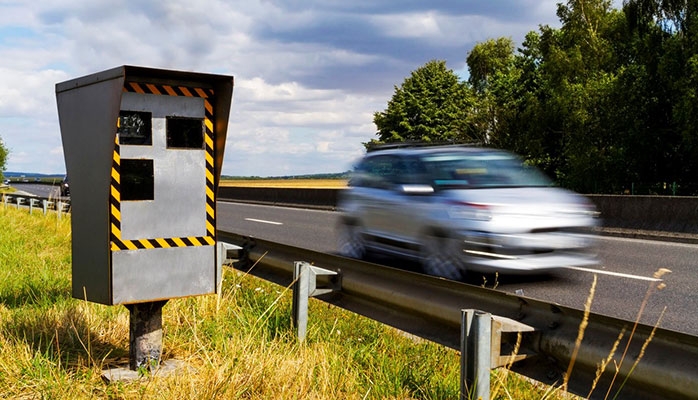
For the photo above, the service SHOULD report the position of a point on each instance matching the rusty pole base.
(145, 345)
(145, 335)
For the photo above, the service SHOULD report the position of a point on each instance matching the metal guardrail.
(44, 204)
(431, 308)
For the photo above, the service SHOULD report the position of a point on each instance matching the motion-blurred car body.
(65, 187)
(459, 208)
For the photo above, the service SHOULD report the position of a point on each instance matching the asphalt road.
(38, 189)
(624, 275)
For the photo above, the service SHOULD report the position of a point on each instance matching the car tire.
(438, 259)
(350, 241)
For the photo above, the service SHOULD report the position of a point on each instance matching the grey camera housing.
(144, 181)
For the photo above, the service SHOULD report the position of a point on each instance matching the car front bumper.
(527, 252)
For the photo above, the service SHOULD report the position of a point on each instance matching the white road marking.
(618, 274)
(647, 241)
(264, 221)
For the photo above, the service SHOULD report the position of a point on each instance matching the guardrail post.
(476, 356)
(226, 251)
(304, 276)
(4, 201)
(44, 205)
(18, 200)
(31, 206)
(59, 208)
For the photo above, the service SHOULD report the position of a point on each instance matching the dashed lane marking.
(264, 221)
(618, 274)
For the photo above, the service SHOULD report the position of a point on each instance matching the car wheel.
(438, 259)
(350, 242)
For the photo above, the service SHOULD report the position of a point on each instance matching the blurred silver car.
(65, 187)
(459, 208)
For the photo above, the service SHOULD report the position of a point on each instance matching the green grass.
(237, 345)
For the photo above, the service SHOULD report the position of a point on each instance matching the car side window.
(379, 172)
(414, 172)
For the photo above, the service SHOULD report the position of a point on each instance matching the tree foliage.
(430, 105)
(607, 103)
(492, 73)
(489, 59)
(4, 152)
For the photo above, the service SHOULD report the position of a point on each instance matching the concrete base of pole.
(123, 374)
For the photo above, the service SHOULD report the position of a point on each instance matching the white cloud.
(414, 25)
(288, 127)
(257, 90)
(449, 30)
(308, 74)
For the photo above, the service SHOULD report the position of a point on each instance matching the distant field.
(287, 183)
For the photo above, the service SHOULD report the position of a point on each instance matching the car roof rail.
(408, 144)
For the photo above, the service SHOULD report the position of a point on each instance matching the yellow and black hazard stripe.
(115, 198)
(161, 243)
(210, 239)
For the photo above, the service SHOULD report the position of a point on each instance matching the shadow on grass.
(34, 293)
(60, 333)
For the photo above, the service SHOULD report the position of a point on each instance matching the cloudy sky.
(309, 74)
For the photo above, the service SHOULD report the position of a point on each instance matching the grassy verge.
(238, 345)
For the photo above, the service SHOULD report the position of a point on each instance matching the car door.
(373, 194)
(398, 204)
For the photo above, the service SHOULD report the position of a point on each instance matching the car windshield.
(481, 170)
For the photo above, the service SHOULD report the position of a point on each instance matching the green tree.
(661, 79)
(4, 152)
(615, 95)
(678, 70)
(579, 73)
(488, 59)
(431, 105)
(552, 101)
(492, 77)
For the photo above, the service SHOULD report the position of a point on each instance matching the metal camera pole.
(145, 335)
